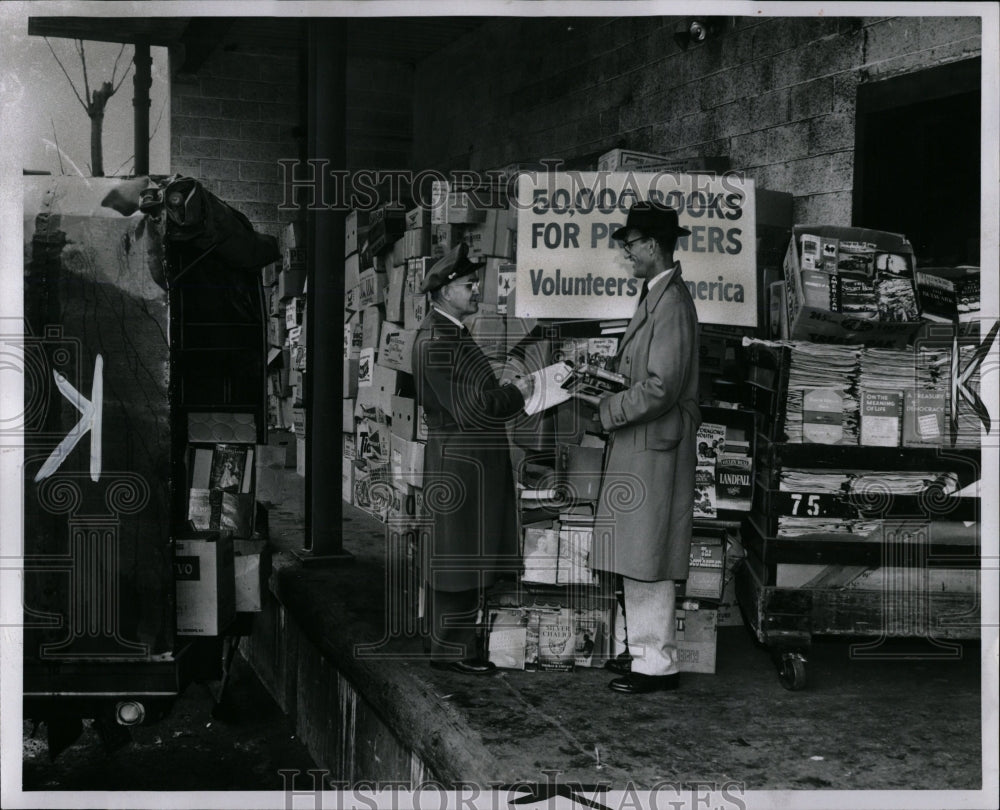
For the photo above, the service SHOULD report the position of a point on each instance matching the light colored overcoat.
(645, 511)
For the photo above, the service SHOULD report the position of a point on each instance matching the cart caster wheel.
(792, 671)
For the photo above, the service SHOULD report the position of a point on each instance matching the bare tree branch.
(83, 61)
(114, 71)
(59, 62)
(55, 139)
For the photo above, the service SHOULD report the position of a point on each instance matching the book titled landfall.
(880, 418)
(733, 481)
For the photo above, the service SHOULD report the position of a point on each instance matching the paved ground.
(188, 750)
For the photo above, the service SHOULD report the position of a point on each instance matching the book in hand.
(549, 388)
(591, 380)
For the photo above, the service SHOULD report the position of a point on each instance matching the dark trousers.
(451, 620)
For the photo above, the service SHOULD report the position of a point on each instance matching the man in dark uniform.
(468, 479)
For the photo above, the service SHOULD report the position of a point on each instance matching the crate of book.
(850, 286)
(547, 628)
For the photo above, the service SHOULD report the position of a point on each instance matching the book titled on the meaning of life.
(880, 418)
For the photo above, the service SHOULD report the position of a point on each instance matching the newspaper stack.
(816, 366)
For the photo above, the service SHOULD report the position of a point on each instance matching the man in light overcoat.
(645, 510)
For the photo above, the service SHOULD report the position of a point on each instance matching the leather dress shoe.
(635, 683)
(622, 665)
(470, 666)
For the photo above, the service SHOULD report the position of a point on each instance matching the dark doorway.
(917, 168)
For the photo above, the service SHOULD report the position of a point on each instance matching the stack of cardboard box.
(285, 290)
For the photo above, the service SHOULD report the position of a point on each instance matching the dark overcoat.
(468, 479)
(645, 508)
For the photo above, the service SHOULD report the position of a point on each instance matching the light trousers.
(651, 625)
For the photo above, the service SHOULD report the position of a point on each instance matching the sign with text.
(568, 266)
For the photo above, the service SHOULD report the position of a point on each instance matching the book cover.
(601, 351)
(880, 418)
(822, 416)
(507, 639)
(556, 642)
(199, 509)
(924, 418)
(711, 440)
(937, 298)
(704, 491)
(506, 278)
(819, 289)
(229, 463)
(236, 514)
(856, 296)
(810, 257)
(856, 257)
(895, 298)
(587, 630)
(733, 481)
(967, 293)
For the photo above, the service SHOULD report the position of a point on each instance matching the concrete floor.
(900, 721)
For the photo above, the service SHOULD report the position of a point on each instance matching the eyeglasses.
(469, 284)
(628, 244)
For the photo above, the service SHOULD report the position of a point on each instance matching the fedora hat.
(652, 218)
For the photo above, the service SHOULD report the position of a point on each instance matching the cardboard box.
(494, 237)
(300, 456)
(294, 307)
(443, 238)
(366, 368)
(293, 259)
(396, 347)
(353, 337)
(351, 377)
(350, 443)
(275, 306)
(371, 288)
(416, 242)
(372, 486)
(415, 309)
(418, 217)
(348, 417)
(374, 399)
(205, 584)
(291, 282)
(406, 461)
(277, 331)
(352, 297)
(355, 230)
(352, 271)
(696, 639)
(299, 421)
(823, 326)
(395, 290)
(250, 566)
(293, 235)
(371, 327)
(347, 480)
(385, 226)
(269, 274)
(404, 417)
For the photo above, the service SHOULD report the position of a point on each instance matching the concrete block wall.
(233, 121)
(776, 95)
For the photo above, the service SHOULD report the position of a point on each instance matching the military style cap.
(652, 218)
(454, 264)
